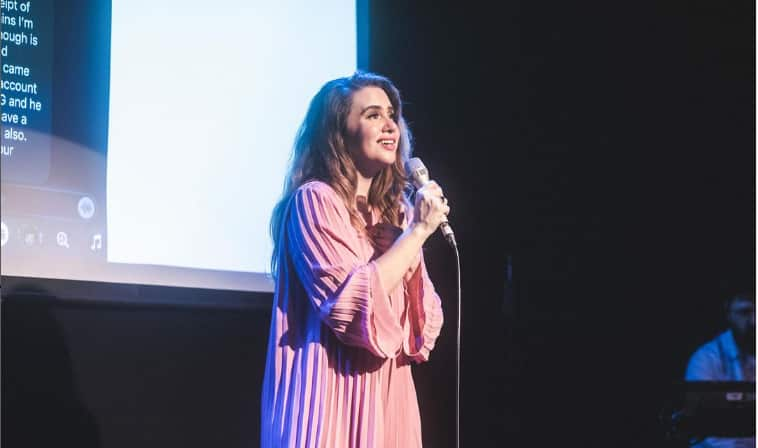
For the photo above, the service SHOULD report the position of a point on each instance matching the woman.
(353, 304)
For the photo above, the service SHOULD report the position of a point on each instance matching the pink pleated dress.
(338, 370)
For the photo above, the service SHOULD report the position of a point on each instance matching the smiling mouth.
(387, 143)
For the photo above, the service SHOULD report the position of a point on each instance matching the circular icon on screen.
(86, 207)
(3, 233)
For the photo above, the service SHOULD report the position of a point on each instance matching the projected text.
(25, 89)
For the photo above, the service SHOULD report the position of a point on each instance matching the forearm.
(395, 262)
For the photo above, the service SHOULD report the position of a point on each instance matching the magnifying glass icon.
(62, 239)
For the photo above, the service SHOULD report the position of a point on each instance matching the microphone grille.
(417, 172)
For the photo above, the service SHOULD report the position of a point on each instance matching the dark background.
(604, 151)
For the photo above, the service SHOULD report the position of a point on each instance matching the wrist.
(420, 230)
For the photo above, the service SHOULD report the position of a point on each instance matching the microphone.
(420, 177)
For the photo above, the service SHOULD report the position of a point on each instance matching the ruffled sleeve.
(424, 316)
(346, 291)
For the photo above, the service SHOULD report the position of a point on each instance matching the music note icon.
(97, 242)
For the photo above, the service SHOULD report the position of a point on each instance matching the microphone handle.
(447, 232)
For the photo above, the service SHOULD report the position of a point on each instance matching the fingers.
(433, 193)
(440, 203)
(431, 206)
(433, 190)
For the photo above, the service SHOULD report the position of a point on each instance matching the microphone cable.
(458, 354)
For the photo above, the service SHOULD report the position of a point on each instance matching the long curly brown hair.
(320, 153)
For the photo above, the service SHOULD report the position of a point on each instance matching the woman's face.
(372, 133)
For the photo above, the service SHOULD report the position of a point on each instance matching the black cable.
(458, 356)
